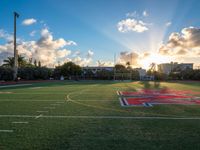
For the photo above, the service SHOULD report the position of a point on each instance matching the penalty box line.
(100, 117)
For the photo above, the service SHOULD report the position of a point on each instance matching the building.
(95, 69)
(167, 68)
(143, 74)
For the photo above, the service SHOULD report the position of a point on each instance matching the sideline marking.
(28, 100)
(20, 122)
(102, 117)
(95, 100)
(35, 88)
(41, 111)
(49, 107)
(55, 104)
(39, 116)
(3, 86)
(60, 102)
(10, 131)
(6, 92)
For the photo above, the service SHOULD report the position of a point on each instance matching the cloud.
(28, 22)
(63, 53)
(145, 14)
(131, 57)
(132, 14)
(146, 54)
(135, 14)
(32, 33)
(82, 61)
(168, 24)
(133, 25)
(46, 49)
(102, 63)
(90, 53)
(4, 35)
(77, 53)
(76, 58)
(186, 43)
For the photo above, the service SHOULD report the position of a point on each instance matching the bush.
(6, 73)
(67, 70)
(34, 73)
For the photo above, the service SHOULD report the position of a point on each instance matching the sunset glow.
(153, 58)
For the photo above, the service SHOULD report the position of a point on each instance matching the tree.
(35, 63)
(9, 62)
(39, 64)
(67, 70)
(128, 65)
(120, 68)
(6, 73)
(104, 74)
(34, 73)
(153, 67)
(135, 75)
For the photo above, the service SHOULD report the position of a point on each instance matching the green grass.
(94, 99)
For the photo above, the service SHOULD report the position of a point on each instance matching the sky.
(102, 32)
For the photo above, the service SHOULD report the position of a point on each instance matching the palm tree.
(128, 65)
(153, 67)
(9, 62)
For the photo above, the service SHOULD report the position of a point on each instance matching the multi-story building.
(167, 68)
(143, 74)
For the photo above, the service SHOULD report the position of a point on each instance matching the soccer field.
(88, 115)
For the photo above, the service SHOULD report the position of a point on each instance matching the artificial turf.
(54, 130)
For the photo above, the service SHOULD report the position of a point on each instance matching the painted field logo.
(148, 98)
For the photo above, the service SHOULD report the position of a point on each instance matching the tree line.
(34, 70)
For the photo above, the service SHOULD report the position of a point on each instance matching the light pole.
(15, 68)
(114, 77)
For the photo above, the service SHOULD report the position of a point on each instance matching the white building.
(143, 74)
(167, 68)
(95, 69)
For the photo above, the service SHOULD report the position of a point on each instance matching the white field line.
(41, 111)
(30, 100)
(49, 107)
(39, 116)
(55, 104)
(3, 86)
(102, 117)
(20, 122)
(6, 92)
(61, 102)
(35, 88)
(94, 100)
(37, 93)
(120, 100)
(10, 131)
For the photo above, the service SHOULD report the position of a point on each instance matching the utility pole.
(114, 77)
(15, 68)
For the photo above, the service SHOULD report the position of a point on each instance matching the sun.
(153, 58)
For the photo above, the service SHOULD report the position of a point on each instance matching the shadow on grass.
(150, 84)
